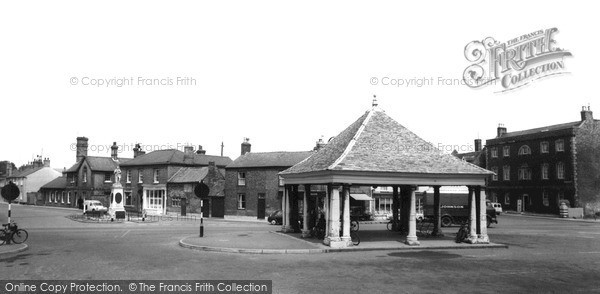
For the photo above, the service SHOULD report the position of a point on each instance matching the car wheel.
(446, 221)
(273, 222)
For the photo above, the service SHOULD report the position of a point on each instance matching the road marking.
(591, 252)
(124, 234)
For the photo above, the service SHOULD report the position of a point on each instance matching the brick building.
(31, 177)
(90, 178)
(181, 188)
(253, 187)
(536, 169)
(146, 178)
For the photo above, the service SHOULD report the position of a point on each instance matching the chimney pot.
(586, 114)
(246, 146)
(477, 144)
(114, 151)
(501, 130)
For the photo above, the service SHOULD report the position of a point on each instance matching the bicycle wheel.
(2, 237)
(390, 226)
(20, 236)
(461, 235)
(355, 238)
(354, 226)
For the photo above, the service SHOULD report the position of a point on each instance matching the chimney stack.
(586, 113)
(46, 162)
(246, 146)
(82, 148)
(137, 150)
(477, 144)
(114, 151)
(320, 144)
(188, 149)
(501, 130)
(200, 150)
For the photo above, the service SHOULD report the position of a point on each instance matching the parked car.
(276, 217)
(93, 206)
(497, 207)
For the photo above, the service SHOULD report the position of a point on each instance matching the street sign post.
(201, 191)
(10, 192)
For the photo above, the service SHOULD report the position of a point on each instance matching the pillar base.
(483, 240)
(328, 240)
(339, 244)
(305, 233)
(472, 239)
(287, 229)
(412, 241)
(348, 241)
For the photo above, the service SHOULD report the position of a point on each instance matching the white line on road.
(124, 234)
(591, 252)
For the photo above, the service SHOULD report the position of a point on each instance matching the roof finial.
(375, 104)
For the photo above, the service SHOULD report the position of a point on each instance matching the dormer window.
(524, 150)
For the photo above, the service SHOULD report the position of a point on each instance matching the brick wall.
(588, 166)
(263, 180)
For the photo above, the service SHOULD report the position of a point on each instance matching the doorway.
(261, 206)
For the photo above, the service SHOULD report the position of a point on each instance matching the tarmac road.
(544, 256)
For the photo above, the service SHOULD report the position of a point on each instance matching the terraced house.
(253, 187)
(537, 169)
(90, 178)
(157, 182)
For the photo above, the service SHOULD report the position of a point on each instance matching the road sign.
(201, 190)
(10, 192)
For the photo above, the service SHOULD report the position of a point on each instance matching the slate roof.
(24, 173)
(189, 175)
(97, 163)
(270, 159)
(173, 156)
(58, 183)
(552, 128)
(377, 143)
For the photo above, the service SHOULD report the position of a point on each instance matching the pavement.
(12, 248)
(276, 242)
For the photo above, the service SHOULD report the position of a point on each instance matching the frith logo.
(514, 63)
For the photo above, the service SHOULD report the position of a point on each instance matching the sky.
(283, 74)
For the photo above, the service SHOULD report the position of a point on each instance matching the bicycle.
(425, 227)
(390, 226)
(12, 233)
(462, 233)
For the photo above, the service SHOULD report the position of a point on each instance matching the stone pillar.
(346, 226)
(472, 238)
(395, 206)
(411, 238)
(294, 214)
(437, 215)
(286, 213)
(305, 230)
(483, 236)
(334, 224)
(327, 212)
(477, 209)
(404, 208)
